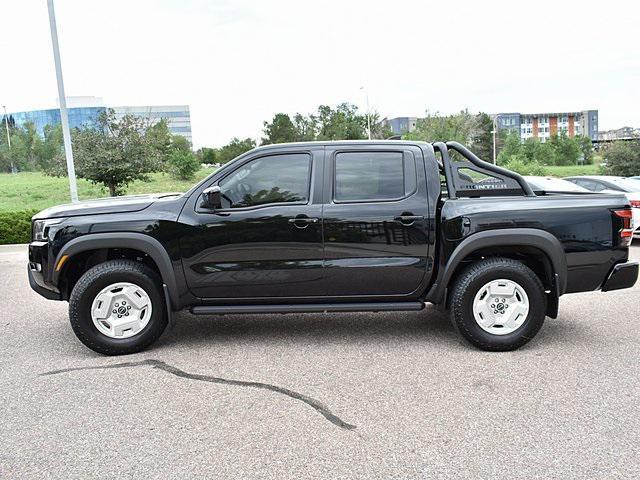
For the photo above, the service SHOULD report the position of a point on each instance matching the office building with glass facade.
(178, 117)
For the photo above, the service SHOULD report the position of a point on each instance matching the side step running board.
(309, 308)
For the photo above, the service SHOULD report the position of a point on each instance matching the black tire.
(472, 279)
(100, 277)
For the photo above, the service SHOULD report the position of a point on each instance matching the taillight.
(635, 203)
(626, 232)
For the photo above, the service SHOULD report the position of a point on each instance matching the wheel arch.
(127, 240)
(506, 242)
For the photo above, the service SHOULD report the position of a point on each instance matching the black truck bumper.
(37, 271)
(37, 284)
(622, 275)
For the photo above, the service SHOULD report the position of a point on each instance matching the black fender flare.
(135, 241)
(529, 237)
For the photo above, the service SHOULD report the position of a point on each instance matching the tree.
(343, 123)
(207, 155)
(512, 146)
(178, 142)
(519, 164)
(280, 130)
(622, 158)
(544, 154)
(306, 127)
(235, 148)
(114, 154)
(25, 142)
(481, 140)
(183, 164)
(567, 150)
(49, 147)
(586, 147)
(443, 128)
(160, 137)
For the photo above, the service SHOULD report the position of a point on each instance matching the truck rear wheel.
(117, 307)
(498, 304)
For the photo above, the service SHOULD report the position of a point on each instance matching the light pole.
(494, 131)
(6, 124)
(64, 117)
(366, 92)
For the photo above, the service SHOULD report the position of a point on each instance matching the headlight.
(41, 228)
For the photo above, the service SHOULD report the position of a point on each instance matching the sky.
(237, 63)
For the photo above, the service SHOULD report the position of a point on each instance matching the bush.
(518, 165)
(622, 158)
(15, 227)
(183, 164)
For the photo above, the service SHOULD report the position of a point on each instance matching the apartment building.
(544, 125)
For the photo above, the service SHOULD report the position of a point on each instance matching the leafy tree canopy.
(281, 129)
(622, 158)
(114, 154)
(464, 127)
(235, 148)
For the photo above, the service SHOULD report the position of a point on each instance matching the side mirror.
(212, 198)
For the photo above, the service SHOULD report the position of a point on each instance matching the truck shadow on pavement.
(159, 364)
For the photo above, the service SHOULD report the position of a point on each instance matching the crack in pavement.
(159, 364)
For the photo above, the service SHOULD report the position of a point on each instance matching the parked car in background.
(553, 184)
(611, 184)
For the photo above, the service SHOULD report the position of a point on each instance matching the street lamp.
(64, 117)
(366, 92)
(494, 131)
(6, 124)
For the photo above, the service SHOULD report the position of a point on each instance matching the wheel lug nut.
(115, 311)
(119, 316)
(117, 305)
(124, 303)
(128, 307)
(126, 314)
(492, 306)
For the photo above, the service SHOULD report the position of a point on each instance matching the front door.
(266, 241)
(376, 220)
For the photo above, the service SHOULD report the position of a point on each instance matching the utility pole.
(494, 131)
(368, 112)
(64, 117)
(6, 124)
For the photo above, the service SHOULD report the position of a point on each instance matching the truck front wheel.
(498, 304)
(117, 307)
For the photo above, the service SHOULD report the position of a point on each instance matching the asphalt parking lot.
(393, 395)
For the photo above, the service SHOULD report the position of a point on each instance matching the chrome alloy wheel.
(500, 307)
(121, 310)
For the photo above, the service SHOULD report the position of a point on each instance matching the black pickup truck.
(333, 227)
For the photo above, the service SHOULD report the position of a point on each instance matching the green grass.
(34, 190)
(572, 170)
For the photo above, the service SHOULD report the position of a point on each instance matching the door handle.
(408, 219)
(302, 221)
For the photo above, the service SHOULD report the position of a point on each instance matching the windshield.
(553, 184)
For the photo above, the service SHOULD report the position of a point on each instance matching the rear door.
(376, 220)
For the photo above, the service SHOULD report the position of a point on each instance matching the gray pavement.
(393, 395)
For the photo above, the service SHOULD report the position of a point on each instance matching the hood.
(131, 203)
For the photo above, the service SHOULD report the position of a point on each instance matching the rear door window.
(373, 176)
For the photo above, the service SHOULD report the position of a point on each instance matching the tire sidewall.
(81, 320)
(466, 321)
